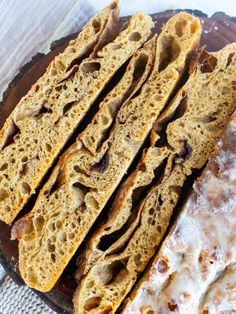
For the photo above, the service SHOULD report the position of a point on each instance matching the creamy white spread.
(221, 298)
(195, 270)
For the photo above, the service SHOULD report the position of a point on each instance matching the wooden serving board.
(218, 31)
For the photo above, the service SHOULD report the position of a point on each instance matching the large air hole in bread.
(208, 63)
(43, 110)
(111, 242)
(136, 36)
(110, 272)
(92, 303)
(170, 52)
(91, 67)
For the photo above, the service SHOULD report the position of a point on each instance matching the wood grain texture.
(218, 31)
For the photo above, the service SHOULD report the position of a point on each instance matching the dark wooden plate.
(218, 31)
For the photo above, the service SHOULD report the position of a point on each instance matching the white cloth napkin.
(20, 300)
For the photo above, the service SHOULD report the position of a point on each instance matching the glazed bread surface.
(46, 117)
(220, 297)
(91, 169)
(195, 269)
(121, 249)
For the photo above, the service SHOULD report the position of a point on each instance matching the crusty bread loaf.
(194, 271)
(45, 118)
(121, 249)
(87, 174)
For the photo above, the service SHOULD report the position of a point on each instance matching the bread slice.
(45, 118)
(20, 153)
(52, 231)
(194, 271)
(124, 215)
(87, 174)
(121, 249)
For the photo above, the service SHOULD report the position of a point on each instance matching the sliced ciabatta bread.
(46, 117)
(121, 249)
(52, 231)
(194, 271)
(87, 175)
